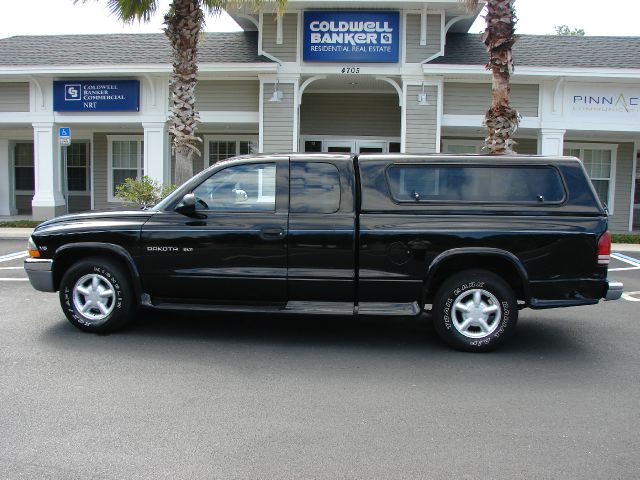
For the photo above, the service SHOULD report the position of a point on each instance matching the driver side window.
(239, 188)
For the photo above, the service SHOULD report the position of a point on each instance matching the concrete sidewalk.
(17, 233)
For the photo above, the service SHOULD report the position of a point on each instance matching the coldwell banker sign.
(96, 96)
(352, 37)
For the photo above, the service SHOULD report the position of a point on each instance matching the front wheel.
(475, 311)
(96, 295)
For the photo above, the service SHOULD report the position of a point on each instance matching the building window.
(462, 146)
(222, 148)
(78, 167)
(126, 155)
(23, 167)
(599, 162)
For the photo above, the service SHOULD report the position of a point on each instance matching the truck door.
(235, 250)
(321, 233)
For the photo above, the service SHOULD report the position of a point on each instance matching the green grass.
(625, 238)
(20, 224)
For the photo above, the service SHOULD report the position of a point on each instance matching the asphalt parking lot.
(238, 396)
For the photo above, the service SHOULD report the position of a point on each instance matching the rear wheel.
(96, 295)
(475, 311)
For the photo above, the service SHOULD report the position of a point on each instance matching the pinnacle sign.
(353, 37)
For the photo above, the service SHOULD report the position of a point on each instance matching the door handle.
(271, 233)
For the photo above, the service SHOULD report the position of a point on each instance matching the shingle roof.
(549, 51)
(152, 48)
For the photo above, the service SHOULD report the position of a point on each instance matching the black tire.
(105, 312)
(484, 328)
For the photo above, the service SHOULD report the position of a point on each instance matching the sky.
(47, 17)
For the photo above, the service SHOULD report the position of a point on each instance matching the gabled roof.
(548, 51)
(119, 49)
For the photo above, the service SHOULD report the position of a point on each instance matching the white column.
(157, 161)
(551, 141)
(48, 201)
(7, 199)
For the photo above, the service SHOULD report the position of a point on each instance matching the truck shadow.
(537, 337)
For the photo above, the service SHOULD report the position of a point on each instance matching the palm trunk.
(183, 25)
(501, 119)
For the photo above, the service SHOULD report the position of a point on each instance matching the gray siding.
(417, 53)
(14, 97)
(228, 95)
(421, 121)
(366, 114)
(475, 98)
(287, 51)
(277, 125)
(619, 221)
(100, 166)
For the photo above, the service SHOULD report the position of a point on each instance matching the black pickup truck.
(470, 239)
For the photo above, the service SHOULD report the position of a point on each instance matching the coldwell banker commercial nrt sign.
(352, 37)
(96, 96)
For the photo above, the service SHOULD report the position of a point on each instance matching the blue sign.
(352, 37)
(64, 132)
(96, 96)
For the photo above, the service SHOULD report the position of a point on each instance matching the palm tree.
(501, 119)
(184, 22)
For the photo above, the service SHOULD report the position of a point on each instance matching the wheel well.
(496, 264)
(65, 259)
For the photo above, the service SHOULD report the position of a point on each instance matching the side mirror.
(187, 205)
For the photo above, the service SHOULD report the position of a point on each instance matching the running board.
(296, 307)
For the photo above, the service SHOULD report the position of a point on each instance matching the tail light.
(604, 249)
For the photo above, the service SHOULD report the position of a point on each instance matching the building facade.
(354, 76)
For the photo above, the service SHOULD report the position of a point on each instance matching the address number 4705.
(350, 70)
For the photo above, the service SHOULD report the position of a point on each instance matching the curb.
(625, 247)
(15, 233)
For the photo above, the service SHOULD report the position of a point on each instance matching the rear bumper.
(40, 273)
(614, 290)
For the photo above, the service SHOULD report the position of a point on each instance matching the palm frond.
(130, 10)
(215, 6)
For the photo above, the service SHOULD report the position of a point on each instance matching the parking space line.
(626, 259)
(13, 256)
(629, 296)
(623, 268)
(26, 280)
(11, 268)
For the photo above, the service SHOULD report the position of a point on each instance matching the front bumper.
(40, 273)
(614, 290)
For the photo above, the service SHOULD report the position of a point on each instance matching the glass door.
(339, 146)
(365, 146)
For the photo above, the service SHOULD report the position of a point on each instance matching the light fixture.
(422, 97)
(277, 93)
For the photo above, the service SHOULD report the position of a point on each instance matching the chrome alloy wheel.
(476, 313)
(94, 297)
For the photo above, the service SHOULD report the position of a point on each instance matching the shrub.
(144, 191)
